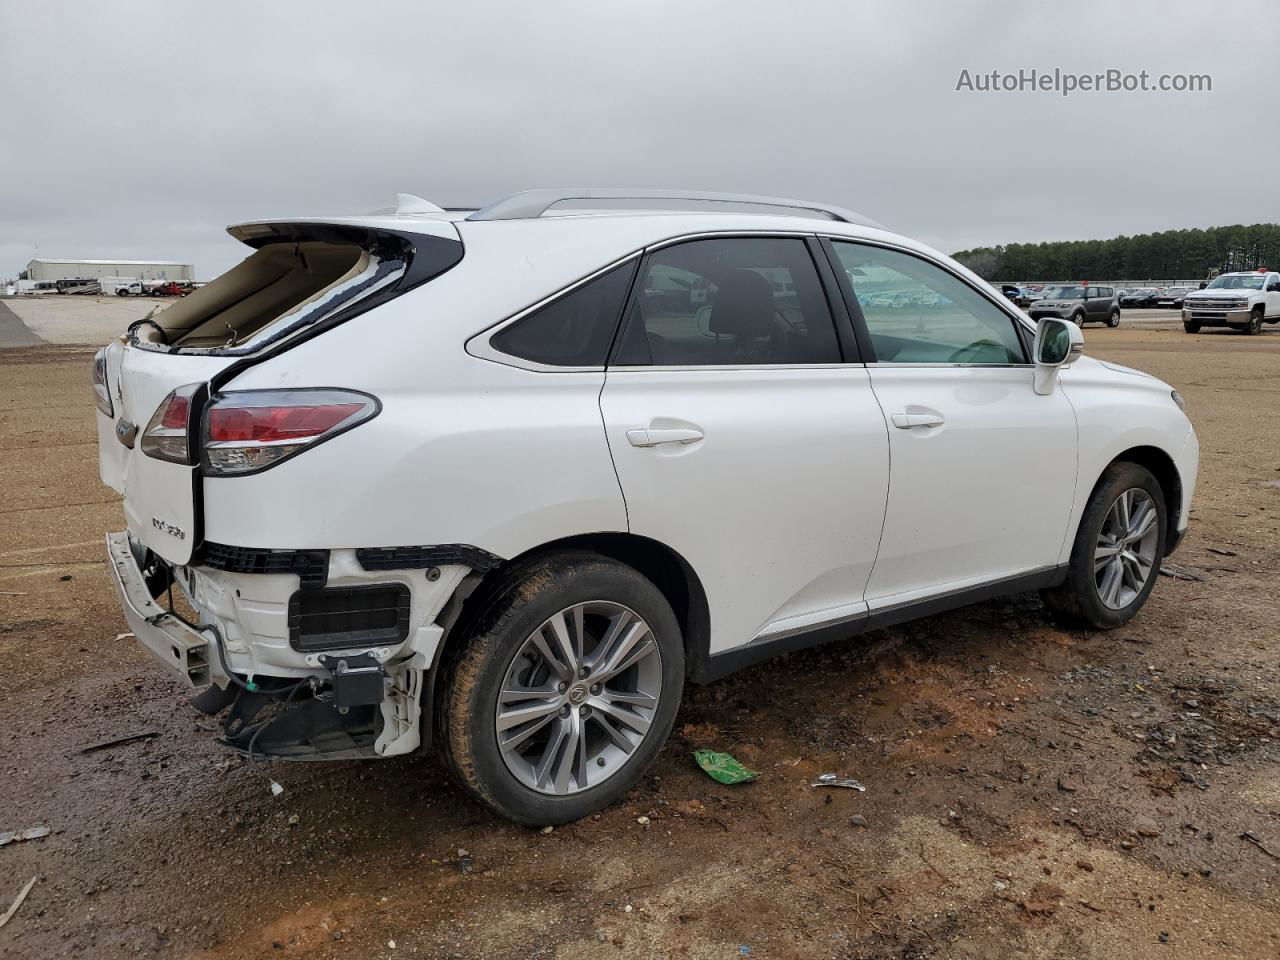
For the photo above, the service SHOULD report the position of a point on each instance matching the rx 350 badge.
(165, 527)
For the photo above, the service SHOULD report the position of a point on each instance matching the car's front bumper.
(182, 649)
(1216, 317)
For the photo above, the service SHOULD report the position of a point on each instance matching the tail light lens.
(249, 430)
(101, 392)
(166, 436)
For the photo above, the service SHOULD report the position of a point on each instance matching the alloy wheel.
(579, 697)
(1124, 557)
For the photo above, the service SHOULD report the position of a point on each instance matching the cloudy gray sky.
(140, 129)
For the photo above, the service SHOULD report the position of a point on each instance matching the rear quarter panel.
(465, 450)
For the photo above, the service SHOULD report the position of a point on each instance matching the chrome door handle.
(651, 438)
(905, 421)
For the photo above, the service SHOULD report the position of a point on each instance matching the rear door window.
(574, 330)
(729, 301)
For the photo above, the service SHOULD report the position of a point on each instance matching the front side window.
(574, 330)
(729, 301)
(916, 312)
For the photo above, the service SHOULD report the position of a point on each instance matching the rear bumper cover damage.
(244, 638)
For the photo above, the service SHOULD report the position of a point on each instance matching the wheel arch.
(670, 572)
(1163, 468)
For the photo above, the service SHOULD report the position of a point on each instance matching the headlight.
(1177, 398)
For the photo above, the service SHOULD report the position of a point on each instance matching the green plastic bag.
(723, 768)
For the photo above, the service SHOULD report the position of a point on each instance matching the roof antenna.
(408, 203)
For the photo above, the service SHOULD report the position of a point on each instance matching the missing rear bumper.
(182, 649)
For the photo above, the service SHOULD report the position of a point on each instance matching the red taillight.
(175, 412)
(270, 424)
(101, 391)
(250, 430)
(166, 436)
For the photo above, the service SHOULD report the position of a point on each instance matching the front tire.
(562, 689)
(1190, 326)
(1255, 322)
(1078, 318)
(1119, 546)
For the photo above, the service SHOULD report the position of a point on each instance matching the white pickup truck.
(1242, 301)
(121, 286)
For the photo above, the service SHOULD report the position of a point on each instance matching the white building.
(42, 269)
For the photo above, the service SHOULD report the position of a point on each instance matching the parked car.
(1243, 300)
(458, 533)
(1078, 302)
(1140, 297)
(167, 288)
(1173, 296)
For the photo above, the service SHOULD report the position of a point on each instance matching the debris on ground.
(723, 768)
(831, 780)
(1168, 569)
(31, 833)
(119, 741)
(1252, 838)
(13, 907)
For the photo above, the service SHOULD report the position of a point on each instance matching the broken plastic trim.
(416, 558)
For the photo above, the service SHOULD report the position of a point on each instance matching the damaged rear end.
(313, 650)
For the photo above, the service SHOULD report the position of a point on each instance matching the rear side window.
(729, 301)
(574, 330)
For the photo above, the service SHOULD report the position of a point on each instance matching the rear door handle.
(653, 437)
(905, 421)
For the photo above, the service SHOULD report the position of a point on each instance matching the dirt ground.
(1033, 790)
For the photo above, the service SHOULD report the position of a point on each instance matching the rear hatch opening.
(274, 291)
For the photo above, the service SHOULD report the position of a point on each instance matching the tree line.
(1171, 255)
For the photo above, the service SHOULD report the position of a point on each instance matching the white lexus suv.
(499, 482)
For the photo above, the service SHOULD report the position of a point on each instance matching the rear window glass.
(576, 329)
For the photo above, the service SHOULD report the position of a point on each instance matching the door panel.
(770, 482)
(985, 493)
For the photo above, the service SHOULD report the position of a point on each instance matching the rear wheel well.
(668, 571)
(1163, 469)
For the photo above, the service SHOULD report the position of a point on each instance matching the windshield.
(1069, 292)
(1237, 281)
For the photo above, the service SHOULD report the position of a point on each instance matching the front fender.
(1118, 411)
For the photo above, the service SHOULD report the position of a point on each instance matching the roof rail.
(530, 204)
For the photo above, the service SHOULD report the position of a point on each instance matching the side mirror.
(1273, 287)
(1057, 344)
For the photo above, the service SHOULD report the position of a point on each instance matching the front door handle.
(905, 421)
(654, 436)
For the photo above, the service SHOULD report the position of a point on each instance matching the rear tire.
(589, 734)
(1110, 577)
(1114, 319)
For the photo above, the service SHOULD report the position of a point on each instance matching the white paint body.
(800, 505)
